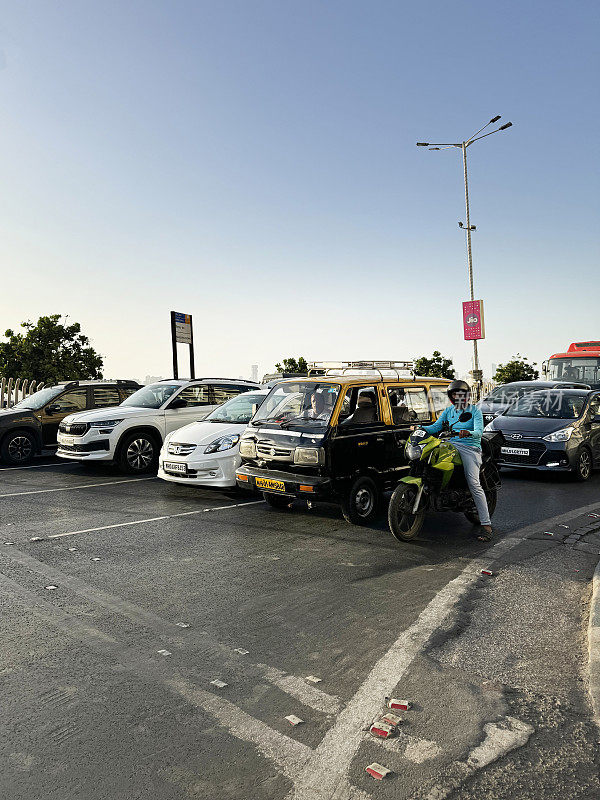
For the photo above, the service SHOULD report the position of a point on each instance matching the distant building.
(254, 373)
(153, 378)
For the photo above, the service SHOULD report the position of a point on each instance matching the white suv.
(132, 433)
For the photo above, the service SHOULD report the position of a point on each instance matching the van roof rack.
(385, 369)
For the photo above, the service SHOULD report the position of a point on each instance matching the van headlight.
(414, 451)
(309, 455)
(563, 435)
(248, 448)
(222, 443)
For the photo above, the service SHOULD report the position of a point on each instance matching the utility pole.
(477, 375)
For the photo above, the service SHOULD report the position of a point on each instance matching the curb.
(594, 645)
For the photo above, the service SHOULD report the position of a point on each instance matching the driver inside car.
(469, 446)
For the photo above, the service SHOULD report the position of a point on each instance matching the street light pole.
(463, 146)
(469, 252)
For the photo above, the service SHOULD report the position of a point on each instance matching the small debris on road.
(548, 533)
(51, 587)
(313, 679)
(8, 543)
(293, 720)
(218, 683)
(37, 539)
(563, 526)
(377, 771)
(95, 559)
(164, 652)
(241, 651)
(401, 705)
(72, 549)
(182, 624)
(486, 572)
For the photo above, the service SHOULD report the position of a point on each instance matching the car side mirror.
(53, 409)
(178, 402)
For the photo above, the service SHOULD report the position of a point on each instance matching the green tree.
(518, 369)
(291, 365)
(435, 367)
(49, 351)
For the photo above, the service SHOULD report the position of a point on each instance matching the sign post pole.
(192, 365)
(174, 345)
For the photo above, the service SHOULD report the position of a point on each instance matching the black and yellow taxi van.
(339, 436)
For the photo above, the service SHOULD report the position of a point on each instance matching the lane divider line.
(85, 486)
(40, 466)
(151, 519)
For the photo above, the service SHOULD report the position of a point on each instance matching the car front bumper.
(214, 470)
(544, 456)
(294, 485)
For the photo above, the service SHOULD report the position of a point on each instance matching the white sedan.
(206, 453)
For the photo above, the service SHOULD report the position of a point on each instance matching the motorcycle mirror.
(465, 416)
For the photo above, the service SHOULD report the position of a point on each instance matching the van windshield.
(298, 404)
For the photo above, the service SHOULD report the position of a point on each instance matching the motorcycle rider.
(469, 446)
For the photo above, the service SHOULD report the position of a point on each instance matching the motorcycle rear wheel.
(404, 525)
(492, 498)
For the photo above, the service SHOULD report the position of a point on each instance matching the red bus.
(580, 363)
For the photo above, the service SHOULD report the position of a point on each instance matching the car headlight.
(107, 423)
(309, 455)
(563, 435)
(222, 443)
(248, 448)
(414, 451)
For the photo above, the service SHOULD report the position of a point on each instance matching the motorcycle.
(436, 481)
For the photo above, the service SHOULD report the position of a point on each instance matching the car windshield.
(298, 404)
(508, 394)
(237, 410)
(582, 370)
(39, 399)
(549, 404)
(152, 396)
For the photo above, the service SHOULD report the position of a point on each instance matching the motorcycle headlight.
(107, 423)
(563, 435)
(308, 455)
(414, 451)
(222, 443)
(248, 448)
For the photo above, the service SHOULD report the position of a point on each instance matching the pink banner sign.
(473, 320)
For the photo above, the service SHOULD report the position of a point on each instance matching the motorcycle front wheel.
(492, 498)
(404, 524)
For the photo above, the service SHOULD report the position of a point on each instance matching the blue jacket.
(451, 415)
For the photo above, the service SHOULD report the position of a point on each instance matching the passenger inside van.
(400, 411)
(366, 409)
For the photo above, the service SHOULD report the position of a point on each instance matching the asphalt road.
(161, 589)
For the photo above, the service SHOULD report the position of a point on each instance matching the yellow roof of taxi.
(370, 379)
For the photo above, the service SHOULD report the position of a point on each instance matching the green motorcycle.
(436, 481)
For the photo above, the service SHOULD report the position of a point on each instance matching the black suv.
(32, 424)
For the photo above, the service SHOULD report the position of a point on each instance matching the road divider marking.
(300, 690)
(39, 466)
(73, 488)
(149, 519)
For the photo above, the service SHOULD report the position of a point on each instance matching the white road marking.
(38, 466)
(151, 519)
(289, 755)
(325, 776)
(72, 488)
(298, 688)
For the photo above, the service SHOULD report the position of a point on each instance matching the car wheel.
(138, 454)
(583, 467)
(361, 505)
(18, 448)
(278, 501)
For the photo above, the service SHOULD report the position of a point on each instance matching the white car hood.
(113, 412)
(203, 433)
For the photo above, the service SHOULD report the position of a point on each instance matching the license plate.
(67, 439)
(174, 466)
(514, 451)
(272, 486)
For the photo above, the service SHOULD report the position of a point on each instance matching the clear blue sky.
(254, 163)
